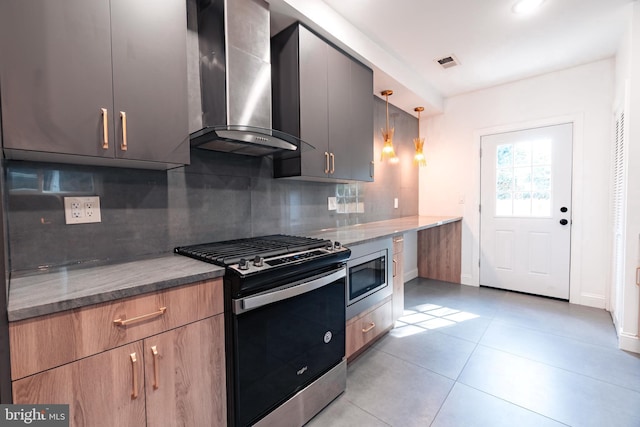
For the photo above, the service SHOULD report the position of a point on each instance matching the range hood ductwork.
(235, 80)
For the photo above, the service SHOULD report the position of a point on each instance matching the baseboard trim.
(629, 342)
(467, 279)
(410, 275)
(591, 300)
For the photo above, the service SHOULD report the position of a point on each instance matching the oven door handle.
(259, 300)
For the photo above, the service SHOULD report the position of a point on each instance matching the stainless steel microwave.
(369, 275)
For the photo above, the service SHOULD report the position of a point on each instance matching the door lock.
(564, 221)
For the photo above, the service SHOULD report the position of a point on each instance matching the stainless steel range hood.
(235, 80)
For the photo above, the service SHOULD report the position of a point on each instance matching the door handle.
(326, 162)
(134, 371)
(123, 117)
(156, 379)
(333, 163)
(105, 129)
(564, 222)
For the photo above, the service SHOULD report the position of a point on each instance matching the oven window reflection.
(366, 277)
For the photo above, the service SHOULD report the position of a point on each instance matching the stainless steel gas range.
(284, 324)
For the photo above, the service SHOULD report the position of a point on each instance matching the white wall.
(410, 251)
(449, 185)
(628, 73)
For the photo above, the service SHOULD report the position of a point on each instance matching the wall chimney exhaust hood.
(235, 80)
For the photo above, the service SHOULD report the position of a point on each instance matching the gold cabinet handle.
(326, 162)
(134, 360)
(156, 379)
(105, 129)
(333, 163)
(125, 322)
(123, 117)
(368, 328)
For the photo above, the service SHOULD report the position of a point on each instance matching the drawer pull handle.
(105, 129)
(134, 360)
(156, 379)
(125, 322)
(123, 145)
(368, 328)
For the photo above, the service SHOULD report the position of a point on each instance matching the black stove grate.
(231, 251)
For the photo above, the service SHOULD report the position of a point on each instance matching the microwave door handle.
(255, 301)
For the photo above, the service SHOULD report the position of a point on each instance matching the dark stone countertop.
(40, 293)
(44, 292)
(363, 233)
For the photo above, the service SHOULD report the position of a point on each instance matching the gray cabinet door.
(313, 102)
(64, 62)
(361, 116)
(150, 79)
(55, 75)
(332, 95)
(340, 114)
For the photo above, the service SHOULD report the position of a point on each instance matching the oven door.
(284, 340)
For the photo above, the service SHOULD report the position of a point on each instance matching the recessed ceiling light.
(523, 7)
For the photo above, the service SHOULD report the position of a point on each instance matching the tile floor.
(465, 356)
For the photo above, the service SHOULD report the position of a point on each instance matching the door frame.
(577, 190)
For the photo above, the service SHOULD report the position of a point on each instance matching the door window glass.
(523, 179)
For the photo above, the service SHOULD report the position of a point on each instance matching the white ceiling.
(401, 39)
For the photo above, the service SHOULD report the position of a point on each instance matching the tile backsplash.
(218, 196)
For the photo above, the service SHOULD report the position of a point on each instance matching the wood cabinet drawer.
(398, 244)
(367, 326)
(52, 340)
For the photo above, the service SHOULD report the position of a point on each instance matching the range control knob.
(329, 245)
(337, 245)
(243, 264)
(258, 261)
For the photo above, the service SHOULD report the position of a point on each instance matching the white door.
(525, 210)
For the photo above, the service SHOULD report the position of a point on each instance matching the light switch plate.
(82, 210)
(395, 203)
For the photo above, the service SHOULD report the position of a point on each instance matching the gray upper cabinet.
(324, 97)
(95, 82)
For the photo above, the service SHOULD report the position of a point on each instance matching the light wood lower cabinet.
(398, 277)
(185, 380)
(439, 252)
(97, 389)
(363, 329)
(172, 378)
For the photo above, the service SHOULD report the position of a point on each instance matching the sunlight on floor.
(426, 317)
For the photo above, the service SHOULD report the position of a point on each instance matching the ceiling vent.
(448, 61)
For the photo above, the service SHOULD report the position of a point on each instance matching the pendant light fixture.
(388, 153)
(418, 158)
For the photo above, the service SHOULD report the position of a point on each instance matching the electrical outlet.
(332, 203)
(82, 210)
(395, 203)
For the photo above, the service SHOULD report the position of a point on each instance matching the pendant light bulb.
(418, 142)
(388, 152)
